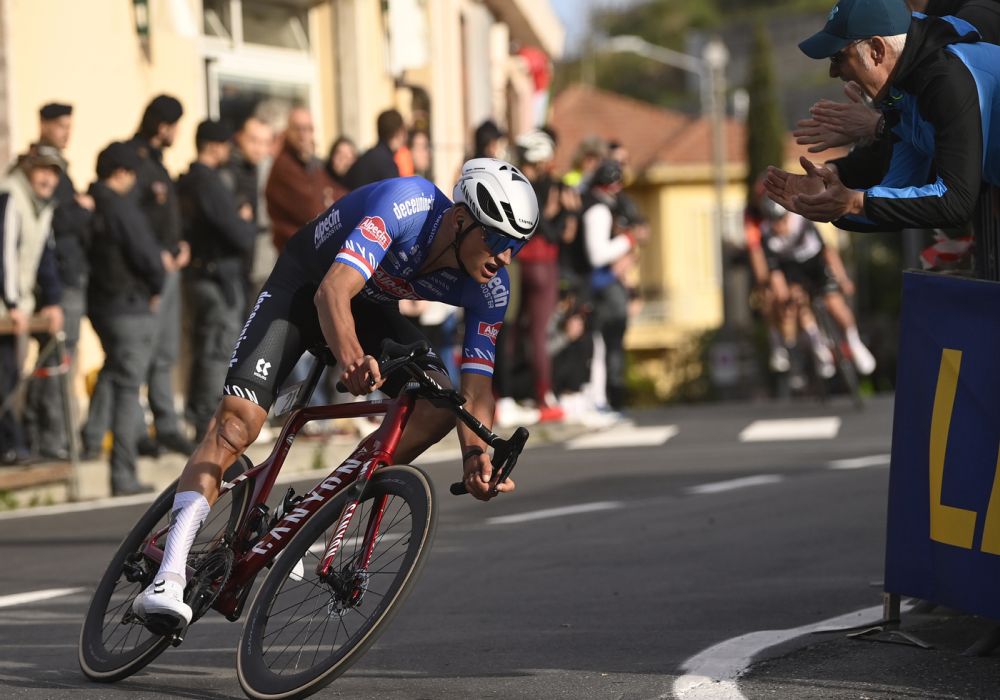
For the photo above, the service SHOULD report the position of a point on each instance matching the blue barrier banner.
(943, 532)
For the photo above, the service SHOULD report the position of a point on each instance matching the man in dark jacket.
(127, 277)
(377, 162)
(157, 196)
(220, 233)
(937, 86)
(44, 414)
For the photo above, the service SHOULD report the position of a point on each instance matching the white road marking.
(554, 512)
(7, 601)
(625, 437)
(791, 429)
(860, 462)
(712, 673)
(733, 484)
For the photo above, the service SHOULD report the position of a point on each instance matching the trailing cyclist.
(794, 265)
(338, 282)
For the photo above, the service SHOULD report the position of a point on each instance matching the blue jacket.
(945, 139)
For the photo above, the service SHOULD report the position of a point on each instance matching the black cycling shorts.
(813, 275)
(283, 324)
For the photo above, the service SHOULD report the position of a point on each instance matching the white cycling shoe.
(161, 607)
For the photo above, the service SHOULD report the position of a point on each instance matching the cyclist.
(339, 280)
(800, 266)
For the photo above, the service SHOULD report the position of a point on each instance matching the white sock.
(814, 337)
(777, 341)
(853, 339)
(189, 512)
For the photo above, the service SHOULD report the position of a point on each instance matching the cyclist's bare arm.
(340, 284)
(477, 468)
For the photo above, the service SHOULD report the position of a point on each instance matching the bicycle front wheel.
(303, 632)
(113, 644)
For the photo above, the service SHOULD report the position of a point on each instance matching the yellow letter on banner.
(949, 525)
(991, 527)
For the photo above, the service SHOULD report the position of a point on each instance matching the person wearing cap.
(27, 262)
(938, 87)
(221, 233)
(127, 277)
(378, 162)
(157, 196)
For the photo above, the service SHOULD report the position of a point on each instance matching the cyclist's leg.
(428, 425)
(837, 305)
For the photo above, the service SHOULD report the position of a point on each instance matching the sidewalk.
(832, 665)
(50, 483)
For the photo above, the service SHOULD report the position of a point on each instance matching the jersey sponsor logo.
(242, 392)
(373, 228)
(476, 360)
(260, 371)
(359, 255)
(496, 293)
(411, 206)
(243, 333)
(394, 286)
(326, 227)
(490, 330)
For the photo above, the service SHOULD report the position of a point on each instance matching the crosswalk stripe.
(625, 437)
(791, 429)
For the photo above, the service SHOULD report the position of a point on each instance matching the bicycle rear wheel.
(301, 632)
(113, 644)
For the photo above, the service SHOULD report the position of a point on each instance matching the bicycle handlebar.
(396, 357)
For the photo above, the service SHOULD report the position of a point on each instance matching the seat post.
(310, 383)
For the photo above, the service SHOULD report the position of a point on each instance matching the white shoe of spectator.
(779, 359)
(824, 360)
(863, 359)
(511, 414)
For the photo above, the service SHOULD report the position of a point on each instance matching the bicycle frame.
(375, 451)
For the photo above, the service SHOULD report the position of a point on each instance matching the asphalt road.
(660, 551)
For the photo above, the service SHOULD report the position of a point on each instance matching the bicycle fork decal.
(950, 524)
(338, 538)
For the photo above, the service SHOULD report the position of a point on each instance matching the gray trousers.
(160, 383)
(215, 324)
(128, 343)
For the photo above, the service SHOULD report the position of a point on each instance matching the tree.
(765, 130)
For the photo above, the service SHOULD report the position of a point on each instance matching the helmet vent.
(486, 203)
(517, 177)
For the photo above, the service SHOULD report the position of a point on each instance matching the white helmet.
(499, 197)
(536, 146)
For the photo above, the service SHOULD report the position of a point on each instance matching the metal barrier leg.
(887, 630)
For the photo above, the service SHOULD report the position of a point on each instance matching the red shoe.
(551, 414)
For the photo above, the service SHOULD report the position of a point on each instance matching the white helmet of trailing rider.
(536, 146)
(499, 197)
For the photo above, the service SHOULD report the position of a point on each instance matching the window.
(283, 25)
(218, 20)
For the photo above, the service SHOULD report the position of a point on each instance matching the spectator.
(420, 150)
(950, 102)
(220, 233)
(539, 263)
(589, 154)
(595, 253)
(489, 141)
(342, 155)
(241, 175)
(297, 186)
(157, 197)
(27, 260)
(127, 262)
(377, 162)
(44, 417)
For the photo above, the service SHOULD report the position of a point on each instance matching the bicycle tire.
(107, 662)
(844, 363)
(260, 655)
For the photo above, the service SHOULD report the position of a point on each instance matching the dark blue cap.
(851, 20)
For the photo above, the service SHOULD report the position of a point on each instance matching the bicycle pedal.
(165, 626)
(177, 638)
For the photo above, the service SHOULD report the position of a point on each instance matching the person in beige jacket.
(27, 261)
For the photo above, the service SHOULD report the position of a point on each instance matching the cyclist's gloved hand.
(362, 376)
(478, 477)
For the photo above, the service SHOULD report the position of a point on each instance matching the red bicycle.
(341, 557)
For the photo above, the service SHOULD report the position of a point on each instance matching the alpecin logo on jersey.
(413, 205)
(326, 227)
(394, 286)
(496, 293)
(373, 228)
(490, 330)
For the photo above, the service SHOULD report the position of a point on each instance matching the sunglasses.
(498, 242)
(839, 57)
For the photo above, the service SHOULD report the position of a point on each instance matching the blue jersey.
(384, 231)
